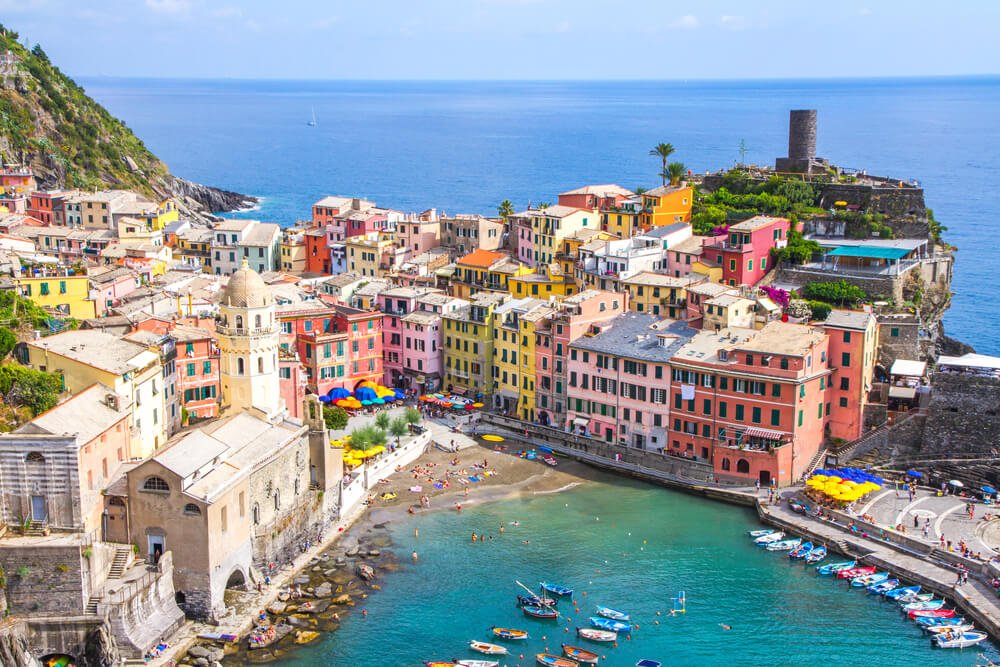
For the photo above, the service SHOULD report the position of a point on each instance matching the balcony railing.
(233, 331)
(732, 247)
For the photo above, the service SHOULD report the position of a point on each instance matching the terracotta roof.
(480, 258)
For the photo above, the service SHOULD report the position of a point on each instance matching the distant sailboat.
(312, 122)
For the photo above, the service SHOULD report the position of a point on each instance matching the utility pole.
(743, 152)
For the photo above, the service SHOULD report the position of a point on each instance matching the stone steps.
(119, 563)
(91, 607)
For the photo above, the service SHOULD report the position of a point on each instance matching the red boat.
(933, 613)
(856, 572)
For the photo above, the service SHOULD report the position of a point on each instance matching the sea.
(462, 147)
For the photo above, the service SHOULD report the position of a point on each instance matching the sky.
(511, 39)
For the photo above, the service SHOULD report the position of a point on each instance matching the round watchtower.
(802, 134)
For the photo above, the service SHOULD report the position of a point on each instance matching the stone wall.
(44, 580)
(143, 611)
(906, 344)
(963, 415)
(888, 287)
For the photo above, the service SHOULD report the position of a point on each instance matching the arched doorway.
(237, 580)
(543, 418)
(58, 660)
(765, 477)
(743, 466)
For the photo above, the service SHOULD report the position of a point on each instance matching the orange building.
(666, 205)
(853, 348)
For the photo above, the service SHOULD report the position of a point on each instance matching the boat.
(958, 640)
(509, 633)
(936, 613)
(937, 629)
(437, 663)
(609, 624)
(768, 538)
(614, 614)
(550, 460)
(312, 121)
(219, 636)
(646, 662)
(761, 532)
(580, 654)
(918, 597)
(883, 586)
(801, 551)
(597, 635)
(487, 648)
(834, 568)
(923, 606)
(784, 545)
(816, 555)
(477, 663)
(540, 612)
(535, 601)
(930, 621)
(556, 589)
(901, 592)
(555, 660)
(855, 572)
(867, 580)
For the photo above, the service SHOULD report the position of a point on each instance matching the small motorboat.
(937, 629)
(550, 660)
(834, 568)
(784, 545)
(438, 663)
(609, 624)
(581, 655)
(930, 621)
(767, 538)
(613, 614)
(936, 613)
(816, 555)
(556, 589)
(897, 593)
(958, 640)
(477, 663)
(761, 532)
(535, 601)
(487, 648)
(919, 597)
(596, 635)
(923, 606)
(509, 633)
(646, 662)
(801, 551)
(855, 572)
(550, 460)
(883, 586)
(540, 612)
(866, 580)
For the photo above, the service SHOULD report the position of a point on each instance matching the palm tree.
(361, 440)
(640, 190)
(505, 209)
(382, 420)
(676, 171)
(399, 427)
(663, 151)
(412, 416)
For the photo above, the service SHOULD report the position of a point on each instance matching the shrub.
(7, 342)
(335, 418)
(820, 310)
(840, 293)
(36, 390)
(412, 416)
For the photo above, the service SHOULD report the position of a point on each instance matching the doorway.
(38, 512)
(157, 545)
(765, 478)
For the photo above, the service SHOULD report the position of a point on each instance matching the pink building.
(108, 286)
(853, 350)
(680, 258)
(291, 382)
(525, 239)
(395, 304)
(418, 236)
(745, 252)
(361, 223)
(593, 197)
(423, 341)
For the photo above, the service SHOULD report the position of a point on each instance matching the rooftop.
(869, 252)
(705, 345)
(638, 336)
(665, 230)
(849, 319)
(657, 280)
(262, 234)
(482, 259)
(754, 223)
(785, 338)
(664, 190)
(421, 317)
(557, 211)
(710, 289)
(343, 279)
(691, 246)
(334, 202)
(607, 190)
(97, 349)
(85, 415)
(726, 300)
(232, 225)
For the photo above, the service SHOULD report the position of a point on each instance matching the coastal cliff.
(47, 121)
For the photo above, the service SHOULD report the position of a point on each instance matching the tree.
(505, 209)
(7, 342)
(663, 151)
(710, 217)
(840, 293)
(335, 417)
(382, 420)
(36, 390)
(676, 171)
(640, 190)
(412, 416)
(398, 428)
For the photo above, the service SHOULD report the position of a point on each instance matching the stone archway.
(57, 660)
(237, 580)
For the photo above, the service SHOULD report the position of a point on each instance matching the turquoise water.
(642, 546)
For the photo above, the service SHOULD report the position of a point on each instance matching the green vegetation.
(37, 391)
(65, 135)
(936, 227)
(505, 209)
(8, 339)
(412, 416)
(382, 420)
(334, 417)
(820, 311)
(663, 151)
(367, 437)
(799, 250)
(675, 171)
(16, 309)
(398, 428)
(740, 197)
(864, 225)
(840, 293)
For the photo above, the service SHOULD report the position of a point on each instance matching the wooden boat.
(816, 555)
(866, 580)
(436, 663)
(550, 660)
(761, 532)
(596, 635)
(477, 663)
(646, 662)
(556, 589)
(509, 633)
(883, 586)
(219, 636)
(855, 572)
(897, 593)
(930, 621)
(938, 629)
(959, 640)
(922, 606)
(768, 538)
(801, 551)
(535, 601)
(581, 654)
(919, 597)
(936, 613)
(540, 612)
(834, 568)
(487, 648)
(613, 614)
(608, 624)
(550, 460)
(784, 545)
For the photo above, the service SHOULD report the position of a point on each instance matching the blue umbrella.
(914, 473)
(989, 489)
(324, 399)
(365, 394)
(339, 392)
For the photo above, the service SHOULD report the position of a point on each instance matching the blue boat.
(540, 612)
(801, 551)
(834, 568)
(556, 589)
(648, 663)
(897, 593)
(535, 601)
(761, 532)
(866, 580)
(883, 586)
(935, 622)
(609, 624)
(613, 614)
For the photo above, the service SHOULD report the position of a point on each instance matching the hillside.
(71, 141)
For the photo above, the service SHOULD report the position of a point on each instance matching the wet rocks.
(365, 571)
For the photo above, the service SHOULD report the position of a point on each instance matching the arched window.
(192, 510)
(240, 368)
(725, 464)
(277, 500)
(743, 466)
(255, 514)
(34, 457)
(115, 501)
(256, 321)
(260, 364)
(239, 321)
(156, 484)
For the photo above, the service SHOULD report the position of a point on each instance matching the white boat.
(958, 640)
(761, 532)
(478, 663)
(784, 545)
(312, 121)
(938, 629)
(595, 635)
(770, 537)
(487, 648)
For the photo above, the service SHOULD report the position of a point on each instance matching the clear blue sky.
(511, 39)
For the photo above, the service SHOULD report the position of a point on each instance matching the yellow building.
(514, 355)
(484, 270)
(371, 256)
(69, 295)
(292, 253)
(468, 345)
(546, 282)
(622, 222)
(549, 226)
(666, 205)
(658, 294)
(569, 248)
(194, 247)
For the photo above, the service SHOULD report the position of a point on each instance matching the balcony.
(731, 247)
(232, 331)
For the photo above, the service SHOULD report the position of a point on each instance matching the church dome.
(246, 289)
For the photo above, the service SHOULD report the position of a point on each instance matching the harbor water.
(629, 546)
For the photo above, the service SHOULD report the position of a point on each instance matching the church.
(237, 494)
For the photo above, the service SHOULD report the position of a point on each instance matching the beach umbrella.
(368, 384)
(477, 405)
(445, 404)
(366, 403)
(989, 489)
(378, 401)
(458, 406)
(365, 394)
(955, 483)
(338, 392)
(342, 403)
(914, 473)
(324, 399)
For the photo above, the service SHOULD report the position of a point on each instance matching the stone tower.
(801, 144)
(248, 345)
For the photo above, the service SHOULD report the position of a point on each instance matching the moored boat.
(929, 621)
(646, 662)
(597, 635)
(609, 624)
(477, 663)
(761, 532)
(550, 460)
(581, 654)
(535, 601)
(556, 589)
(767, 538)
(924, 605)
(936, 613)
(917, 597)
(816, 555)
(614, 614)
(550, 660)
(487, 648)
(801, 551)
(784, 545)
(902, 592)
(958, 640)
(883, 586)
(509, 633)
(855, 572)
(540, 612)
(834, 568)
(439, 663)
(938, 629)
(866, 580)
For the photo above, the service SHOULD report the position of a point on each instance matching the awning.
(908, 367)
(905, 393)
(459, 391)
(580, 421)
(755, 432)
(507, 393)
(869, 252)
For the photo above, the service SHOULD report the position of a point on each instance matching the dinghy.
(509, 633)
(922, 606)
(761, 532)
(935, 613)
(768, 538)
(555, 660)
(535, 601)
(596, 635)
(816, 555)
(834, 568)
(956, 640)
(477, 663)
(902, 592)
(855, 572)
(883, 586)
(866, 580)
(938, 629)
(919, 597)
(581, 655)
(608, 624)
(801, 551)
(556, 589)
(438, 663)
(784, 545)
(540, 612)
(487, 648)
(646, 662)
(613, 614)
(930, 621)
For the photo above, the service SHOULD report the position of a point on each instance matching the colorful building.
(468, 346)
(544, 283)
(539, 232)
(484, 270)
(395, 304)
(593, 197)
(59, 292)
(16, 185)
(745, 252)
(423, 341)
(666, 205)
(853, 351)
(467, 233)
(292, 251)
(658, 294)
(514, 354)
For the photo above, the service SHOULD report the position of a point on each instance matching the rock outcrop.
(14, 650)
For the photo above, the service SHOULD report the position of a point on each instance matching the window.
(755, 415)
(776, 390)
(845, 384)
(192, 510)
(277, 500)
(62, 286)
(784, 364)
(255, 514)
(743, 466)
(800, 417)
(847, 336)
(260, 365)
(206, 367)
(820, 411)
(845, 359)
(723, 408)
(190, 370)
(749, 265)
(156, 485)
(224, 518)
(843, 401)
(240, 366)
(725, 464)
(775, 417)
(34, 457)
(739, 412)
(706, 406)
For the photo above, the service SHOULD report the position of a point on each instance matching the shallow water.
(630, 546)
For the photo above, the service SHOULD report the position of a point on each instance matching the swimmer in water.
(414, 555)
(726, 627)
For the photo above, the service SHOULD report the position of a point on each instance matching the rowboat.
(580, 654)
(937, 629)
(930, 621)
(767, 538)
(613, 614)
(816, 555)
(784, 545)
(956, 640)
(916, 597)
(487, 648)
(550, 660)
(437, 663)
(596, 635)
(509, 633)
(855, 572)
(761, 532)
(936, 613)
(535, 601)
(219, 636)
(902, 592)
(477, 663)
(556, 589)
(834, 568)
(550, 460)
(866, 580)
(608, 624)
(921, 606)
(883, 586)
(645, 662)
(801, 551)
(540, 612)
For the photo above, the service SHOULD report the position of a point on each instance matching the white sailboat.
(312, 121)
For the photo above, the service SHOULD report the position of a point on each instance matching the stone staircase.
(36, 529)
(120, 562)
(819, 459)
(91, 607)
